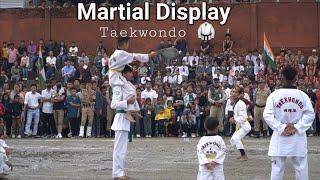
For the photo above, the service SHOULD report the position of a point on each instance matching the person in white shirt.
(31, 107)
(177, 78)
(289, 113)
(47, 111)
(167, 78)
(211, 151)
(240, 118)
(194, 59)
(185, 59)
(258, 66)
(255, 56)
(184, 71)
(218, 75)
(149, 93)
(51, 60)
(74, 51)
(83, 58)
(51, 65)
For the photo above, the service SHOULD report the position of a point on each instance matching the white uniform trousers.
(239, 134)
(119, 153)
(217, 174)
(300, 165)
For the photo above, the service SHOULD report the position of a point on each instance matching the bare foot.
(244, 158)
(122, 178)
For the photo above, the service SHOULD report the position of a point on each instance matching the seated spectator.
(24, 64)
(83, 58)
(15, 72)
(227, 43)
(74, 51)
(61, 58)
(51, 65)
(68, 71)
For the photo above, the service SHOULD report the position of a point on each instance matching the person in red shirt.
(310, 68)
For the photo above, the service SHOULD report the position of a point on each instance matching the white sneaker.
(70, 135)
(193, 135)
(184, 135)
(59, 136)
(149, 136)
(13, 136)
(138, 136)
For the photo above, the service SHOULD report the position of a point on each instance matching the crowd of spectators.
(175, 95)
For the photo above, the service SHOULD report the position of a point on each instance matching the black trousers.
(75, 126)
(48, 124)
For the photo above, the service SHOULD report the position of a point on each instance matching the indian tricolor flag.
(42, 74)
(267, 53)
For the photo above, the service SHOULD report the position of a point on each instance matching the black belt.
(33, 108)
(260, 106)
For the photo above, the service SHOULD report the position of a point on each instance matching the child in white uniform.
(5, 165)
(240, 118)
(211, 151)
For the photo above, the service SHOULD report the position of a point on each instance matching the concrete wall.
(290, 25)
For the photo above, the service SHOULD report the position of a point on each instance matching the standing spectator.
(68, 72)
(87, 98)
(31, 107)
(51, 65)
(110, 111)
(73, 106)
(13, 55)
(32, 50)
(62, 54)
(301, 59)
(149, 93)
(15, 72)
(74, 51)
(217, 98)
(47, 111)
(7, 117)
(189, 97)
(97, 110)
(16, 116)
(5, 56)
(58, 99)
(24, 64)
(188, 124)
(22, 48)
(147, 117)
(160, 118)
(260, 98)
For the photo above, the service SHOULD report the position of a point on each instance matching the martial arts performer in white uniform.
(211, 151)
(117, 62)
(120, 124)
(240, 118)
(289, 113)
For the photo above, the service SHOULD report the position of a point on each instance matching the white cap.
(314, 50)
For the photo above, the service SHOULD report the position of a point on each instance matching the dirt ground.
(155, 158)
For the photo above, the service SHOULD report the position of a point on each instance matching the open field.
(155, 158)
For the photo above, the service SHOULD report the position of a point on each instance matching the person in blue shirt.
(73, 105)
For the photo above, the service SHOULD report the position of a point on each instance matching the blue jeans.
(32, 114)
(60, 60)
(25, 72)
